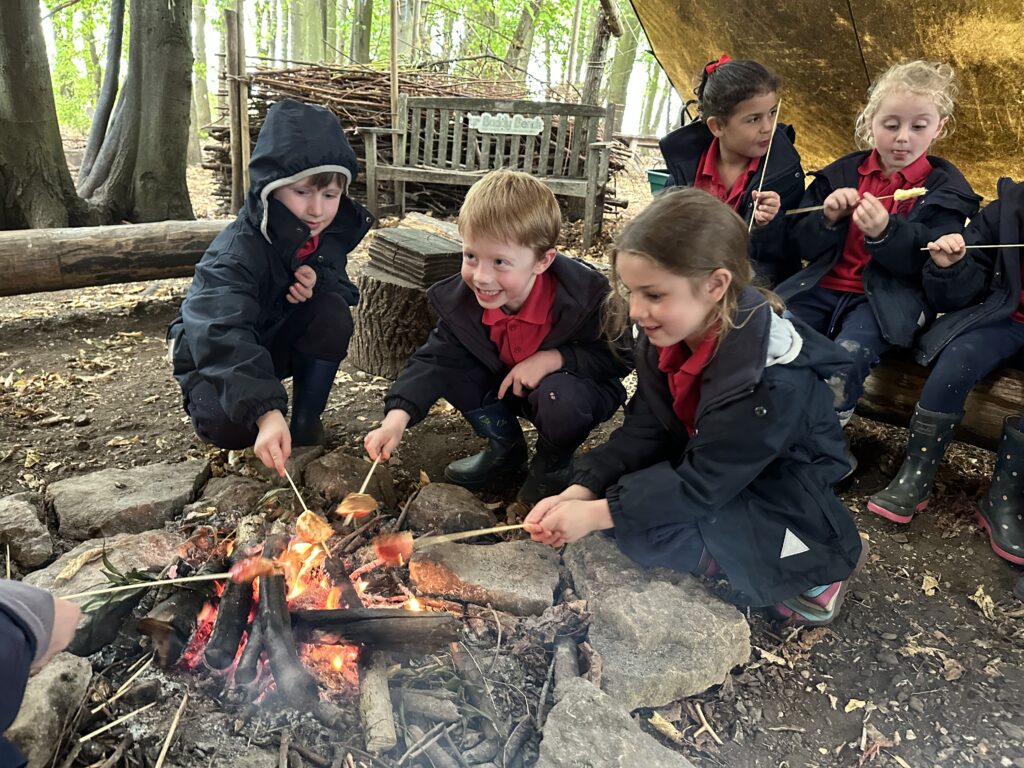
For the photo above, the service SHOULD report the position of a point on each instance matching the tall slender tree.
(517, 58)
(202, 97)
(362, 26)
(622, 63)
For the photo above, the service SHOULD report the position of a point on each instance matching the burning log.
(384, 629)
(249, 662)
(232, 616)
(294, 681)
(172, 622)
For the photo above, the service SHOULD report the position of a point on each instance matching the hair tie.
(716, 64)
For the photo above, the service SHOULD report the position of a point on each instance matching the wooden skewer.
(117, 722)
(809, 209)
(366, 482)
(429, 541)
(1000, 245)
(146, 585)
(764, 169)
(297, 494)
(170, 733)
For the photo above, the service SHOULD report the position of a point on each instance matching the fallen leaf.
(77, 564)
(853, 704)
(31, 458)
(424, 479)
(929, 584)
(833, 700)
(771, 657)
(121, 442)
(952, 670)
(979, 598)
(666, 729)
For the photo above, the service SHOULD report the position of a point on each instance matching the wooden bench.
(894, 386)
(450, 141)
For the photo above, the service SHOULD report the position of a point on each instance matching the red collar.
(680, 359)
(914, 174)
(708, 169)
(534, 310)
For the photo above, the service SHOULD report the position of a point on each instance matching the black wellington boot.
(1001, 512)
(312, 380)
(550, 474)
(505, 452)
(907, 494)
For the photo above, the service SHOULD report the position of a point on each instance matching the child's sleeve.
(772, 256)
(811, 237)
(639, 442)
(442, 362)
(712, 474)
(599, 359)
(26, 621)
(220, 319)
(948, 289)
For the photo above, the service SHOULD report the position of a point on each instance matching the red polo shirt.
(683, 368)
(519, 335)
(848, 273)
(1018, 316)
(308, 248)
(708, 179)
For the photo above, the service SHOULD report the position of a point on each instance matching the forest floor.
(925, 667)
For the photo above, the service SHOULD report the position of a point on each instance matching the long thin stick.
(170, 733)
(764, 169)
(1001, 245)
(429, 541)
(146, 585)
(297, 494)
(366, 482)
(8, 561)
(117, 722)
(125, 687)
(794, 211)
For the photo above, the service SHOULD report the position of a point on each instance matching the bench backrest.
(545, 138)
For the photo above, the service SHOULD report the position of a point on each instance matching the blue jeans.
(847, 319)
(967, 360)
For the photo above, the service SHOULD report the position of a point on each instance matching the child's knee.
(562, 408)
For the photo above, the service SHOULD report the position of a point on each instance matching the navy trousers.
(320, 328)
(967, 360)
(847, 319)
(564, 407)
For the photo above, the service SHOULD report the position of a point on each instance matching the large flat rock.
(114, 501)
(590, 728)
(51, 698)
(661, 635)
(22, 526)
(446, 508)
(81, 569)
(230, 496)
(519, 577)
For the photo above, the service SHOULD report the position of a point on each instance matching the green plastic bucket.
(658, 178)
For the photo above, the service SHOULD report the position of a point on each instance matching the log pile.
(360, 97)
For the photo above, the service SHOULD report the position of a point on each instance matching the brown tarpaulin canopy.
(811, 44)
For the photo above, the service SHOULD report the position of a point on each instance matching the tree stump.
(393, 319)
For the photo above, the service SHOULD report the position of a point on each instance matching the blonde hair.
(512, 207)
(689, 233)
(934, 80)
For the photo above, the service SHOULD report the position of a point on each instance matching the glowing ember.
(334, 599)
(413, 604)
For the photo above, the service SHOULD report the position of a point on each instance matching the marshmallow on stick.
(899, 196)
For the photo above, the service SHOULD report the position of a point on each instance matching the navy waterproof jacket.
(461, 341)
(892, 278)
(237, 300)
(682, 150)
(759, 468)
(984, 286)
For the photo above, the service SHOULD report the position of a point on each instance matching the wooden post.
(243, 99)
(231, 28)
(595, 66)
(394, 77)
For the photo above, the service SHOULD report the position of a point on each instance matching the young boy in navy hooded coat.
(271, 297)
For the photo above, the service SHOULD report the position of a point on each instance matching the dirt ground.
(924, 668)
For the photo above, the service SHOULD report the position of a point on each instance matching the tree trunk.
(195, 154)
(94, 60)
(38, 191)
(569, 67)
(108, 92)
(406, 29)
(595, 64)
(659, 114)
(285, 30)
(343, 26)
(272, 32)
(622, 64)
(362, 21)
(139, 174)
(330, 30)
(314, 36)
(518, 56)
(202, 99)
(296, 32)
(650, 96)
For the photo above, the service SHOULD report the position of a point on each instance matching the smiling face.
(501, 274)
(669, 308)
(316, 208)
(747, 131)
(903, 128)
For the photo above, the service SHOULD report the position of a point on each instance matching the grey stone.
(1012, 731)
(22, 526)
(339, 473)
(519, 577)
(589, 729)
(51, 697)
(448, 509)
(81, 569)
(231, 496)
(660, 634)
(114, 501)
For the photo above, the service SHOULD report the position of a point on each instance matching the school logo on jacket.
(791, 545)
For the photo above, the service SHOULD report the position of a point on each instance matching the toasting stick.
(1000, 245)
(899, 195)
(764, 169)
(397, 548)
